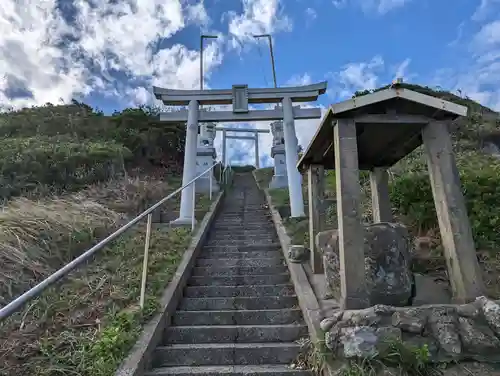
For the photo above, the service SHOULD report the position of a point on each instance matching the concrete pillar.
(350, 227)
(317, 220)
(257, 161)
(294, 178)
(381, 203)
(224, 148)
(456, 234)
(189, 171)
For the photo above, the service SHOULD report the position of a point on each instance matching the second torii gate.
(240, 96)
(255, 137)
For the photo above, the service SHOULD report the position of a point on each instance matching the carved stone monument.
(205, 157)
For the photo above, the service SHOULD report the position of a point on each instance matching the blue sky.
(110, 53)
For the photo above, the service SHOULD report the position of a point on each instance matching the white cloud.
(299, 80)
(356, 76)
(372, 6)
(51, 60)
(311, 15)
(484, 9)
(488, 35)
(402, 69)
(258, 17)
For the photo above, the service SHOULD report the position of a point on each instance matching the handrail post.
(145, 261)
(193, 218)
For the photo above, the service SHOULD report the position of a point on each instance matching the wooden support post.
(316, 191)
(381, 203)
(351, 231)
(456, 234)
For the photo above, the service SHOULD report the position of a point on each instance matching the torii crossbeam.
(240, 96)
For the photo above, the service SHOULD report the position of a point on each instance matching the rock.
(328, 323)
(298, 254)
(491, 312)
(477, 339)
(443, 324)
(470, 310)
(367, 316)
(387, 252)
(411, 320)
(387, 264)
(366, 341)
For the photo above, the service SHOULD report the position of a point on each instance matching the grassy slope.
(95, 173)
(411, 195)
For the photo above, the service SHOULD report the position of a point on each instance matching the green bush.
(411, 195)
(27, 163)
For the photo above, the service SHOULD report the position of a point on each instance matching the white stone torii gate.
(240, 96)
(255, 137)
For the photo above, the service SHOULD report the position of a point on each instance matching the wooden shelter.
(373, 132)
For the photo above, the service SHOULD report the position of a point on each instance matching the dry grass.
(86, 324)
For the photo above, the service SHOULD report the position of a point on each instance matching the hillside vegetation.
(69, 176)
(412, 199)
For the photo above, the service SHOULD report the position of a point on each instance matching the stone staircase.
(239, 314)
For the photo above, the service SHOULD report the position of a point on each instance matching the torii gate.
(255, 137)
(240, 96)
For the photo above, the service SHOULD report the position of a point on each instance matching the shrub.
(411, 194)
(59, 162)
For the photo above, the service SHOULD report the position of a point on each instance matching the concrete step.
(239, 226)
(240, 280)
(236, 291)
(269, 236)
(228, 272)
(243, 317)
(238, 303)
(272, 254)
(242, 248)
(236, 242)
(225, 354)
(242, 232)
(234, 333)
(233, 263)
(260, 370)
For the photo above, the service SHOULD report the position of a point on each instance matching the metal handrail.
(35, 291)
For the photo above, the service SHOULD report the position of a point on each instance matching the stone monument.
(205, 157)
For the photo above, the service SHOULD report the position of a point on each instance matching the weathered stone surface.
(327, 244)
(329, 322)
(298, 254)
(491, 312)
(387, 263)
(443, 324)
(412, 320)
(478, 340)
(470, 310)
(366, 341)
(387, 250)
(368, 316)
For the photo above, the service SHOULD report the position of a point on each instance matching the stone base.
(450, 332)
(278, 181)
(182, 222)
(203, 186)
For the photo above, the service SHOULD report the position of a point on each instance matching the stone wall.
(450, 332)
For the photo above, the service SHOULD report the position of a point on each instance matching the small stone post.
(456, 234)
(351, 232)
